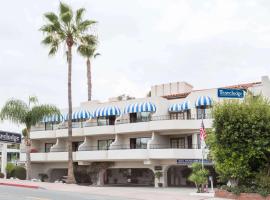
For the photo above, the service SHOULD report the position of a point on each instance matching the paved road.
(16, 193)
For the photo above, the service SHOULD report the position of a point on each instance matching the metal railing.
(122, 147)
(168, 146)
(42, 127)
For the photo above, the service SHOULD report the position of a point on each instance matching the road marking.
(37, 198)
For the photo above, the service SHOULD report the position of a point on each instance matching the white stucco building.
(139, 136)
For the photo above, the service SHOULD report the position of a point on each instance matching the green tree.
(199, 176)
(28, 114)
(88, 51)
(67, 30)
(240, 140)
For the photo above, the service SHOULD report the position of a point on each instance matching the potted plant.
(158, 175)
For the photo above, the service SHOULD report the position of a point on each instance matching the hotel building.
(135, 137)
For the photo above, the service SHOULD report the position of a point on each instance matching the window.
(102, 121)
(139, 143)
(48, 147)
(201, 113)
(104, 144)
(178, 143)
(75, 145)
(48, 126)
(198, 141)
(133, 117)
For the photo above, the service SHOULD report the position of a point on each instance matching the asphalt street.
(17, 193)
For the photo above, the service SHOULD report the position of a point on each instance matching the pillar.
(4, 158)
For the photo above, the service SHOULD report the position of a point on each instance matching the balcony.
(146, 124)
(121, 152)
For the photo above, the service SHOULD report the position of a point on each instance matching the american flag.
(202, 132)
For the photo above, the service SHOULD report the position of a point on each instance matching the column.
(4, 158)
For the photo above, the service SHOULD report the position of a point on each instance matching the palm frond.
(37, 113)
(14, 110)
(63, 8)
(79, 14)
(85, 25)
(66, 17)
(48, 28)
(48, 40)
(90, 40)
(86, 50)
(51, 17)
(53, 50)
(97, 54)
(33, 100)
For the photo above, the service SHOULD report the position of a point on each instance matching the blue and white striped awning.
(81, 114)
(53, 118)
(185, 106)
(107, 111)
(203, 101)
(140, 107)
(180, 107)
(175, 107)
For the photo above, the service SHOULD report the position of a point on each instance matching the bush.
(19, 172)
(198, 176)
(158, 175)
(2, 175)
(9, 168)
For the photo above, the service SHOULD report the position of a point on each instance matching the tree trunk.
(70, 178)
(28, 157)
(89, 79)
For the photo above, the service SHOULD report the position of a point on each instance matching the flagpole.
(202, 143)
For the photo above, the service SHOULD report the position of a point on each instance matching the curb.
(20, 185)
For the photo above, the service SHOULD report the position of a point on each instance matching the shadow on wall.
(57, 174)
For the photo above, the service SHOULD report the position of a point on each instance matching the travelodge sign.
(9, 137)
(230, 93)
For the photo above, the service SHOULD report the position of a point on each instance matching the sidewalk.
(136, 193)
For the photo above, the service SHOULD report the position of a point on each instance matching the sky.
(208, 43)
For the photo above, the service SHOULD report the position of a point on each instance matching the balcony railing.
(167, 146)
(124, 147)
(42, 127)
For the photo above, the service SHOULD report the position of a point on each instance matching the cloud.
(206, 43)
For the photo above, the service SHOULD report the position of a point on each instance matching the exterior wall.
(170, 88)
(160, 129)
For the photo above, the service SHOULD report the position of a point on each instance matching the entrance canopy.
(9, 137)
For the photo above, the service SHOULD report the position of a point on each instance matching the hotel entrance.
(129, 177)
(178, 176)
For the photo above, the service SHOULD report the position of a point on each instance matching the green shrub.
(2, 175)
(198, 176)
(19, 172)
(158, 175)
(9, 168)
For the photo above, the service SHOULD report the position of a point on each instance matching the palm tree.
(29, 115)
(66, 30)
(88, 51)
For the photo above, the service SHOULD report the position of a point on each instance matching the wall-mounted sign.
(190, 161)
(230, 93)
(9, 137)
(158, 167)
